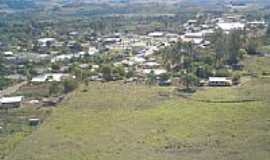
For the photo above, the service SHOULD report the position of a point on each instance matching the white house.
(10, 102)
(156, 34)
(229, 26)
(219, 81)
(50, 77)
(8, 53)
(157, 72)
(44, 41)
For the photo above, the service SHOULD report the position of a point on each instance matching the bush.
(119, 71)
(165, 76)
(3, 83)
(130, 73)
(236, 78)
(204, 71)
(69, 85)
(106, 70)
(55, 88)
(223, 73)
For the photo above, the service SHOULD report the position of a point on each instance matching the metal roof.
(6, 100)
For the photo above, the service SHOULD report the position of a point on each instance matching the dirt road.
(12, 89)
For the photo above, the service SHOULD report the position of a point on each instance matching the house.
(92, 51)
(157, 72)
(62, 57)
(8, 54)
(50, 77)
(219, 81)
(151, 65)
(10, 102)
(192, 22)
(156, 34)
(227, 27)
(45, 41)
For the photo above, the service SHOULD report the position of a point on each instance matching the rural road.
(12, 89)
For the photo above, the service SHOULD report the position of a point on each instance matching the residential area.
(100, 61)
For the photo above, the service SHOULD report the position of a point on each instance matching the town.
(206, 50)
(129, 57)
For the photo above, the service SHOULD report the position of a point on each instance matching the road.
(12, 89)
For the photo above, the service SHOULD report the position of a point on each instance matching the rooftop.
(6, 100)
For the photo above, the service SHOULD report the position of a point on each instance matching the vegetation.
(112, 121)
(119, 120)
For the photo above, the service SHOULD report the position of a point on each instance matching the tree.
(106, 70)
(190, 80)
(223, 73)
(151, 78)
(220, 47)
(2, 66)
(252, 45)
(3, 82)
(70, 85)
(268, 31)
(119, 71)
(164, 76)
(55, 88)
(204, 71)
(234, 45)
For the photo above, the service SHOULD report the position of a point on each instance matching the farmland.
(116, 121)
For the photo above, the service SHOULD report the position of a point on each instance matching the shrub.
(55, 88)
(106, 70)
(223, 73)
(69, 85)
(236, 78)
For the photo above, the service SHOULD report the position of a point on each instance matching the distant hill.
(18, 4)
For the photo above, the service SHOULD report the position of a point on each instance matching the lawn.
(113, 121)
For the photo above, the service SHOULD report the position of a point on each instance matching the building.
(156, 34)
(10, 102)
(50, 77)
(45, 41)
(229, 26)
(219, 81)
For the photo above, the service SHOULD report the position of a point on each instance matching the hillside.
(118, 122)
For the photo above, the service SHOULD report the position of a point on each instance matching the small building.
(34, 121)
(219, 81)
(10, 102)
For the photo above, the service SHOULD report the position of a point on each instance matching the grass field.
(116, 122)
(16, 126)
(257, 65)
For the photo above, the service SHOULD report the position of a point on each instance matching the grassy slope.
(257, 64)
(115, 122)
(16, 126)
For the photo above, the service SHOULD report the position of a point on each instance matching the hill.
(118, 122)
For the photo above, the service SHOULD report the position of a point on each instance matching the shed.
(34, 121)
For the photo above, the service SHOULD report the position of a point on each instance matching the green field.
(113, 121)
(116, 121)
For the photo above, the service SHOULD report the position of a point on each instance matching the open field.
(257, 65)
(113, 121)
